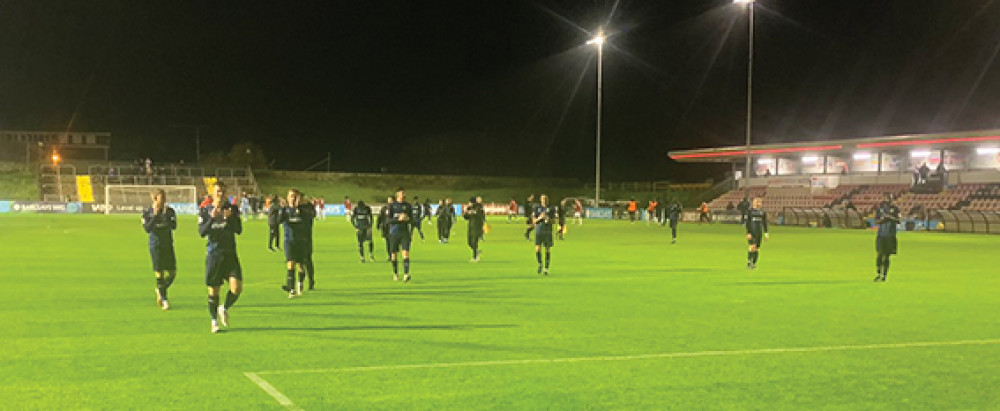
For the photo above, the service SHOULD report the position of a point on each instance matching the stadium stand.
(69, 182)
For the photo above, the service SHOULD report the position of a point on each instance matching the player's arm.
(235, 223)
(764, 224)
(172, 216)
(204, 222)
(148, 221)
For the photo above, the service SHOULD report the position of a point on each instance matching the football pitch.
(625, 321)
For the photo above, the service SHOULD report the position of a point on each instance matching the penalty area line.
(716, 353)
(270, 390)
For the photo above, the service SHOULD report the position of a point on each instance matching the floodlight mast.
(598, 40)
(746, 176)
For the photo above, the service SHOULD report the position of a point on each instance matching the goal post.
(131, 199)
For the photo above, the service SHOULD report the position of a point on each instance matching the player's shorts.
(577, 214)
(163, 258)
(399, 241)
(364, 234)
(219, 267)
(673, 222)
(755, 240)
(297, 251)
(885, 245)
(543, 238)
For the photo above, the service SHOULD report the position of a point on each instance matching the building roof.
(954, 140)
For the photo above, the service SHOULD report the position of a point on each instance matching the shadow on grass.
(424, 327)
(775, 283)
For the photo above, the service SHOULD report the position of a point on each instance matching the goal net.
(132, 199)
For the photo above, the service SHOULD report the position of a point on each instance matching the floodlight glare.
(862, 156)
(598, 40)
(920, 153)
(765, 161)
(743, 1)
(988, 150)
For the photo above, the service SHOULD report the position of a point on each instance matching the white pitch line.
(626, 357)
(273, 392)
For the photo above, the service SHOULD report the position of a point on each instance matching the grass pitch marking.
(273, 392)
(717, 353)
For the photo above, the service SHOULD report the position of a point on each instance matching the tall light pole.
(746, 176)
(599, 41)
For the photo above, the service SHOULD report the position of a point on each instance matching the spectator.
(730, 206)
(924, 172)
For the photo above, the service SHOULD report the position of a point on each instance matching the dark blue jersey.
(361, 217)
(418, 212)
(887, 217)
(674, 211)
(543, 217)
(159, 226)
(221, 231)
(476, 216)
(297, 222)
(396, 210)
(756, 222)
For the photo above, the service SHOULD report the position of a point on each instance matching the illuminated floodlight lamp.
(598, 39)
(743, 1)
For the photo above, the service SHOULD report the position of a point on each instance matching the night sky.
(492, 87)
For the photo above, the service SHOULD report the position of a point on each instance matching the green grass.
(80, 330)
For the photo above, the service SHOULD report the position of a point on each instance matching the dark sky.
(492, 87)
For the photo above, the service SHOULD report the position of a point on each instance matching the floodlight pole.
(746, 177)
(599, 41)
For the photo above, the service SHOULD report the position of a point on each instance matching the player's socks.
(310, 272)
(213, 307)
(538, 257)
(406, 266)
(395, 267)
(231, 299)
(755, 255)
(161, 287)
(548, 258)
(361, 250)
(169, 280)
(885, 268)
(290, 280)
(302, 275)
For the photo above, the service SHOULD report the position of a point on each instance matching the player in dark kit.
(399, 220)
(383, 226)
(310, 268)
(476, 216)
(446, 216)
(674, 215)
(418, 216)
(220, 222)
(529, 209)
(160, 221)
(561, 218)
(296, 218)
(273, 225)
(756, 231)
(887, 218)
(543, 216)
(361, 219)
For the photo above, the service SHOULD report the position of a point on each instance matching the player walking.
(361, 219)
(887, 218)
(159, 221)
(756, 231)
(474, 213)
(399, 219)
(529, 210)
(220, 222)
(295, 217)
(418, 216)
(511, 209)
(578, 211)
(446, 215)
(542, 217)
(674, 215)
(382, 222)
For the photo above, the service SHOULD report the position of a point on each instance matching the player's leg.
(393, 249)
(360, 236)
(289, 274)
(548, 255)
(311, 270)
(371, 244)
(538, 256)
(673, 230)
(405, 246)
(213, 307)
(235, 288)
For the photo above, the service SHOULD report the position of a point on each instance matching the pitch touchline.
(636, 357)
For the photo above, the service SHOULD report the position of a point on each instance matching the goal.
(132, 199)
